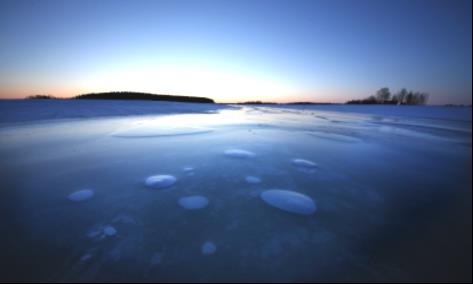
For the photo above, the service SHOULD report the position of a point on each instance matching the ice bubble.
(252, 179)
(160, 181)
(289, 201)
(81, 195)
(209, 248)
(193, 202)
(304, 164)
(239, 153)
(109, 230)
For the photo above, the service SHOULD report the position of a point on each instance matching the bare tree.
(401, 96)
(383, 95)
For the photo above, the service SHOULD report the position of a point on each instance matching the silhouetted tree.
(40, 97)
(403, 97)
(383, 95)
(143, 96)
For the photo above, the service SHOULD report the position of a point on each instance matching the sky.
(233, 51)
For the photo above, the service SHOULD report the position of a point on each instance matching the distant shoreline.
(136, 96)
(129, 96)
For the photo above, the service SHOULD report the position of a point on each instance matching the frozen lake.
(156, 191)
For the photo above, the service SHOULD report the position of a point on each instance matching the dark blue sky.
(237, 50)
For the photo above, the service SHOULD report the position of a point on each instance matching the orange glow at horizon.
(222, 87)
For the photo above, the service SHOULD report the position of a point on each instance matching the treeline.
(403, 97)
(142, 96)
(256, 103)
(40, 97)
(273, 103)
(309, 103)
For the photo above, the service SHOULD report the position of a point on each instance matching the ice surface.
(156, 259)
(193, 202)
(239, 153)
(252, 179)
(13, 111)
(382, 170)
(160, 181)
(81, 195)
(289, 201)
(208, 248)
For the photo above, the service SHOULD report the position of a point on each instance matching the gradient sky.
(326, 51)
